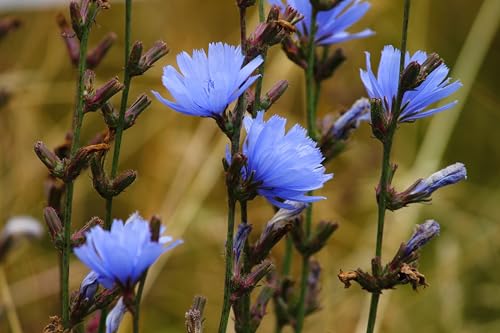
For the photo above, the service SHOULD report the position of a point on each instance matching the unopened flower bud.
(133, 112)
(50, 159)
(239, 245)
(351, 119)
(325, 68)
(77, 20)
(102, 95)
(257, 274)
(89, 286)
(324, 5)
(245, 3)
(109, 114)
(321, 235)
(53, 222)
(422, 189)
(378, 119)
(274, 94)
(194, 316)
(122, 181)
(81, 159)
(423, 233)
(409, 77)
(115, 316)
(95, 56)
(294, 52)
(155, 228)
(155, 53)
(432, 62)
(69, 36)
(313, 286)
(78, 238)
(135, 55)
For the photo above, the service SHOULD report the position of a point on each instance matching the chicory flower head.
(331, 24)
(447, 176)
(284, 165)
(415, 103)
(423, 233)
(207, 84)
(122, 254)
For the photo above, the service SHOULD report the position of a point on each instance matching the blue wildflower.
(208, 83)
(115, 316)
(447, 176)
(331, 24)
(284, 166)
(423, 233)
(435, 87)
(122, 254)
(359, 111)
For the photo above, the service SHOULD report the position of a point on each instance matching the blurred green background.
(180, 174)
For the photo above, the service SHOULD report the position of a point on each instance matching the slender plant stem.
(386, 166)
(310, 103)
(102, 320)
(138, 297)
(262, 67)
(68, 204)
(123, 107)
(226, 305)
(311, 128)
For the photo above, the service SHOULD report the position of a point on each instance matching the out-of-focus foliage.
(180, 173)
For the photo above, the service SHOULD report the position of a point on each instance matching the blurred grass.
(178, 159)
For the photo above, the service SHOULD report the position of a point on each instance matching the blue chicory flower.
(359, 111)
(435, 87)
(423, 233)
(208, 84)
(331, 24)
(285, 166)
(115, 316)
(447, 176)
(122, 254)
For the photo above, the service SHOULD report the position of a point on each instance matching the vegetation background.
(180, 173)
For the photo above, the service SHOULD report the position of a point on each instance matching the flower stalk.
(385, 176)
(75, 144)
(311, 128)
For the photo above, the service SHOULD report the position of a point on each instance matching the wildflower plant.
(262, 158)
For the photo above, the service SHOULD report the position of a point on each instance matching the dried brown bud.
(146, 61)
(133, 112)
(95, 101)
(54, 224)
(69, 36)
(95, 56)
(81, 159)
(50, 159)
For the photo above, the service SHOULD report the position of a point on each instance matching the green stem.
(119, 133)
(386, 166)
(138, 297)
(102, 320)
(226, 305)
(258, 86)
(123, 107)
(68, 204)
(311, 102)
